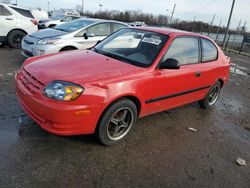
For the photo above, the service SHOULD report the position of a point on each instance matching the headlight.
(63, 91)
(47, 41)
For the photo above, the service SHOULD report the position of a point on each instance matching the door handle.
(197, 74)
(8, 18)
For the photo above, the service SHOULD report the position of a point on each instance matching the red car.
(131, 74)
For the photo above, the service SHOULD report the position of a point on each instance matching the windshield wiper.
(60, 29)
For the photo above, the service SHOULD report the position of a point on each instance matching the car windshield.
(73, 25)
(133, 46)
(57, 17)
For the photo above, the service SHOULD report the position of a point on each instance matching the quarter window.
(209, 51)
(100, 29)
(185, 50)
(118, 26)
(4, 11)
(23, 12)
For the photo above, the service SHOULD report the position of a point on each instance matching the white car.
(56, 20)
(75, 35)
(15, 23)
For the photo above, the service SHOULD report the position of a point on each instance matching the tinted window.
(23, 12)
(75, 18)
(100, 29)
(185, 50)
(118, 26)
(209, 51)
(4, 11)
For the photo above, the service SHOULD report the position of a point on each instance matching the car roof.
(170, 31)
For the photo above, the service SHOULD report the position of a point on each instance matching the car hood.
(79, 67)
(47, 33)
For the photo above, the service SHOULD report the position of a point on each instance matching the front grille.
(30, 82)
(30, 40)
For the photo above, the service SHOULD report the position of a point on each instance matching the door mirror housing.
(170, 64)
(87, 35)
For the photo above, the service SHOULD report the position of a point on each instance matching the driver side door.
(100, 32)
(176, 87)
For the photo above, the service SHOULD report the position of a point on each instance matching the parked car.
(15, 23)
(78, 34)
(56, 20)
(137, 24)
(104, 90)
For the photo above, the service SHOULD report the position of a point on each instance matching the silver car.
(78, 34)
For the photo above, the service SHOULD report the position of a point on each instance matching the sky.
(185, 9)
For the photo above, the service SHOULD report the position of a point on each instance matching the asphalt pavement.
(159, 152)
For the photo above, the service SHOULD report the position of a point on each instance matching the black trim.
(175, 95)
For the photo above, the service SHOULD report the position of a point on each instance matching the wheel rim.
(120, 123)
(213, 95)
(17, 39)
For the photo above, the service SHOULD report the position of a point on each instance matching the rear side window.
(209, 50)
(185, 50)
(23, 12)
(100, 29)
(4, 11)
(118, 26)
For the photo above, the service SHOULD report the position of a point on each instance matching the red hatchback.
(132, 73)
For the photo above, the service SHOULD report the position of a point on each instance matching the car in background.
(138, 24)
(15, 23)
(78, 34)
(56, 20)
(106, 89)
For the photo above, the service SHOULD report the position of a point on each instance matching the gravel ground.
(160, 151)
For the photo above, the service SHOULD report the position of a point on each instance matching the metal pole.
(218, 30)
(228, 23)
(100, 7)
(212, 22)
(82, 6)
(172, 14)
(48, 5)
(193, 24)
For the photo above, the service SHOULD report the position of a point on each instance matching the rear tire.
(15, 37)
(117, 122)
(212, 96)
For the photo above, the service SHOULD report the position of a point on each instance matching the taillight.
(34, 21)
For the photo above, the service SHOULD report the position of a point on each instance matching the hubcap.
(17, 39)
(213, 94)
(120, 123)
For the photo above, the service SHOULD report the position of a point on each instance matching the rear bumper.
(57, 117)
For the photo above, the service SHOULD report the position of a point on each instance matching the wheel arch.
(70, 46)
(132, 98)
(221, 81)
(16, 29)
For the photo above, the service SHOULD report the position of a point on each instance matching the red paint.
(106, 80)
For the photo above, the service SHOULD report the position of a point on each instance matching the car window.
(4, 11)
(118, 26)
(209, 50)
(75, 18)
(133, 46)
(100, 29)
(23, 12)
(66, 19)
(74, 25)
(185, 50)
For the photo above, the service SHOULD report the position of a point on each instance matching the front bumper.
(60, 118)
(30, 50)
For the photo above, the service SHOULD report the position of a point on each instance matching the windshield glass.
(73, 25)
(57, 17)
(133, 46)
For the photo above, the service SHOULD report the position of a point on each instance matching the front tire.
(212, 96)
(15, 37)
(117, 122)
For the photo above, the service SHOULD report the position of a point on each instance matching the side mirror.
(170, 64)
(87, 35)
